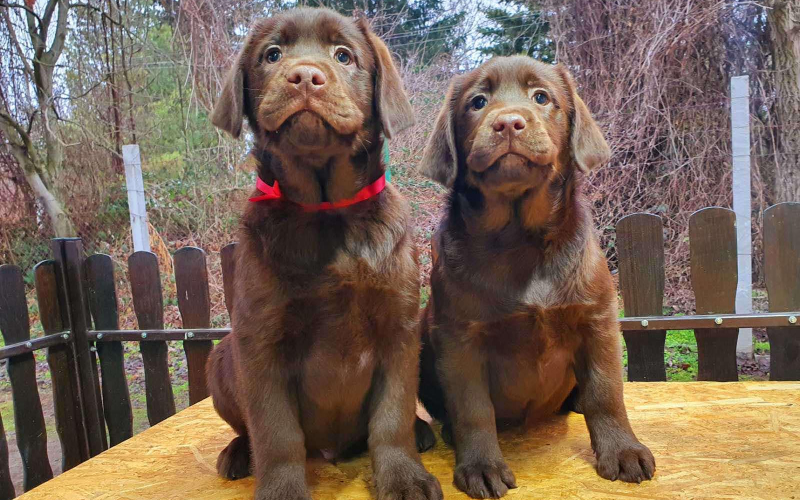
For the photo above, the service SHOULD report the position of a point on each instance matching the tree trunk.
(62, 226)
(37, 68)
(111, 72)
(784, 27)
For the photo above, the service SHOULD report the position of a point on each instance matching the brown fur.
(324, 350)
(523, 309)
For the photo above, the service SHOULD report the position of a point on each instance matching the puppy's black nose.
(307, 78)
(509, 124)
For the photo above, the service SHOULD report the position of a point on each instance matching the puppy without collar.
(523, 311)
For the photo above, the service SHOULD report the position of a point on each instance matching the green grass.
(139, 408)
(680, 355)
(7, 414)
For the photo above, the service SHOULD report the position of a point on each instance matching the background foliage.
(655, 73)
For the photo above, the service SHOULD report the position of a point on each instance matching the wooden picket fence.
(75, 293)
(78, 310)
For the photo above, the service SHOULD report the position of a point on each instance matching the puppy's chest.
(334, 380)
(539, 326)
(532, 330)
(530, 355)
(516, 283)
(539, 293)
(340, 327)
(368, 251)
(339, 370)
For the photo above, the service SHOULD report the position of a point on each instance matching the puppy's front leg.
(277, 439)
(480, 471)
(598, 369)
(399, 474)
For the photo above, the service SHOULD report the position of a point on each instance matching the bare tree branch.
(11, 124)
(61, 30)
(48, 16)
(85, 6)
(31, 120)
(12, 34)
(23, 7)
(34, 32)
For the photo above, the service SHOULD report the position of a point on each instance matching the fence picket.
(71, 376)
(65, 398)
(714, 269)
(191, 281)
(98, 394)
(103, 306)
(640, 251)
(782, 269)
(149, 308)
(30, 427)
(69, 255)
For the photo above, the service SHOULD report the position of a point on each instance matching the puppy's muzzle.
(305, 80)
(511, 131)
(310, 85)
(509, 125)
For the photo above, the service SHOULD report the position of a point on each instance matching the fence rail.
(78, 310)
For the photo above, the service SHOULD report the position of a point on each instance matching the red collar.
(274, 193)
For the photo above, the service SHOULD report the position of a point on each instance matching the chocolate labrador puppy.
(324, 350)
(523, 310)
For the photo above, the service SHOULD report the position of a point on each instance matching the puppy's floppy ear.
(440, 158)
(589, 147)
(391, 101)
(228, 112)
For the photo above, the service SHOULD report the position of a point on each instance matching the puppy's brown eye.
(541, 98)
(479, 102)
(343, 56)
(273, 55)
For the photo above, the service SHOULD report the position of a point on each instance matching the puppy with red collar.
(324, 349)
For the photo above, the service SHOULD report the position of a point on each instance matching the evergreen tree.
(418, 30)
(517, 27)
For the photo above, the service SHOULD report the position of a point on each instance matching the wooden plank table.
(711, 440)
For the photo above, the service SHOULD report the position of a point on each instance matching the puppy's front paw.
(277, 494)
(491, 479)
(408, 482)
(631, 462)
(424, 436)
(282, 486)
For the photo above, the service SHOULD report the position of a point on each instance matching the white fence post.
(136, 205)
(740, 146)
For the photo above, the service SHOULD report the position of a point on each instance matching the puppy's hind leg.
(572, 403)
(423, 435)
(234, 461)
(430, 393)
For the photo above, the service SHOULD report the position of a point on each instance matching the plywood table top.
(711, 440)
